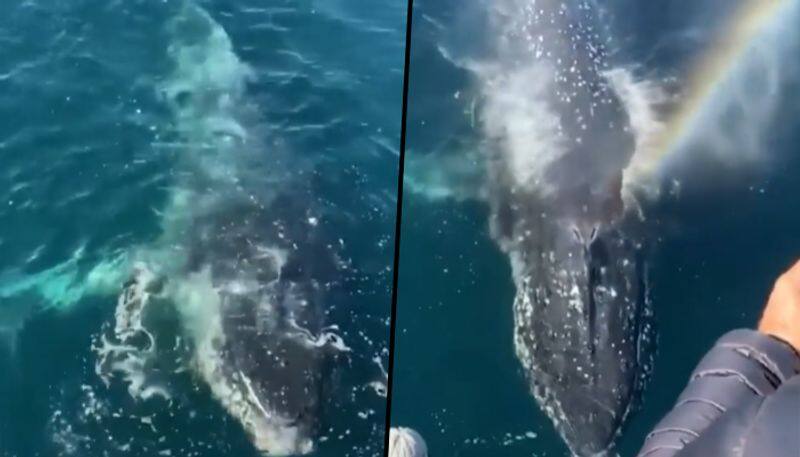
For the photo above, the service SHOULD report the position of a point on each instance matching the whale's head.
(270, 363)
(276, 359)
(582, 327)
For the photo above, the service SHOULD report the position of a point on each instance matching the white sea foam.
(381, 386)
(327, 338)
(129, 347)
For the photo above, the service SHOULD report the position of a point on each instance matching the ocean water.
(177, 150)
(716, 214)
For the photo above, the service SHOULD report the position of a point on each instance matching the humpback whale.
(242, 261)
(558, 137)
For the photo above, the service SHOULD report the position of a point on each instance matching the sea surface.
(121, 122)
(719, 230)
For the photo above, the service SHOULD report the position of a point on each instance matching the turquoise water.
(716, 238)
(126, 128)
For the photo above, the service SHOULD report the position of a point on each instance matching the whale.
(557, 138)
(245, 264)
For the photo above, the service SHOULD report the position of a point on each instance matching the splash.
(520, 118)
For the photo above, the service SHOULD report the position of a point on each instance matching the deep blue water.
(91, 153)
(713, 249)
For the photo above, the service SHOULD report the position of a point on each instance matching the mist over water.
(168, 162)
(494, 109)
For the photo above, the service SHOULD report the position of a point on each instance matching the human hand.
(781, 316)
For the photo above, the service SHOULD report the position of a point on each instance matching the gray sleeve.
(742, 368)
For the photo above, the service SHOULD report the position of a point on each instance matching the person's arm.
(740, 371)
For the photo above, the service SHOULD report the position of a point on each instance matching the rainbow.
(714, 66)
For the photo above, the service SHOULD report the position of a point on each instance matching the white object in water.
(405, 442)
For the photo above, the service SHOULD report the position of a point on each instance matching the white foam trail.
(327, 338)
(380, 387)
(131, 346)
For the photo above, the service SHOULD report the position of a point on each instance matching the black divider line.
(398, 225)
